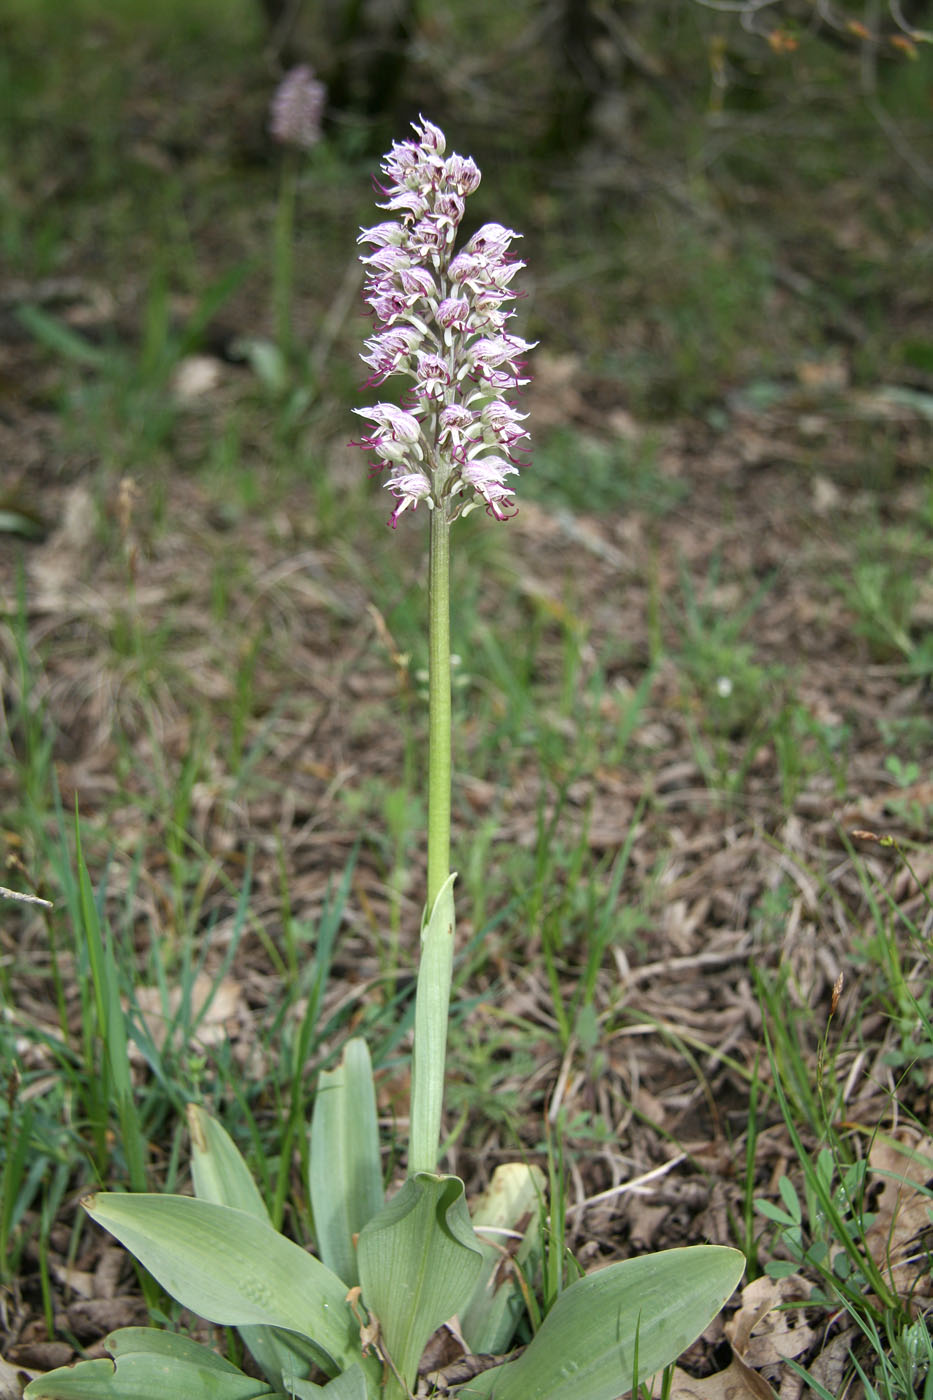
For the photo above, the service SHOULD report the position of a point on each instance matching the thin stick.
(637, 1184)
(19, 898)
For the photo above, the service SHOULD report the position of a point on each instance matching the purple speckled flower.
(297, 108)
(441, 320)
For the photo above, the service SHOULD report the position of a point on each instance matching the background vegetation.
(695, 664)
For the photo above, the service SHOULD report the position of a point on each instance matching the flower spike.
(441, 321)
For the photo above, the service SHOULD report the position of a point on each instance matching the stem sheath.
(432, 998)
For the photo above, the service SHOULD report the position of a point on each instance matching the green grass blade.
(61, 339)
(111, 1023)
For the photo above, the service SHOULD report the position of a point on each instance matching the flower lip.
(463, 173)
(453, 313)
(491, 239)
(387, 258)
(400, 426)
(383, 235)
(409, 488)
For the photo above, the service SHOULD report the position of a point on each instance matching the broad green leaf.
(266, 361)
(279, 1355)
(510, 1209)
(217, 1167)
(349, 1385)
(585, 1348)
(419, 1260)
(145, 1377)
(345, 1172)
(221, 1175)
(130, 1341)
(150, 1365)
(20, 521)
(432, 1000)
(233, 1269)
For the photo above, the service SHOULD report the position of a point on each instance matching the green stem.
(439, 736)
(283, 278)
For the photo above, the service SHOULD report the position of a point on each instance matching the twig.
(19, 898)
(637, 1184)
(736, 7)
(900, 144)
(897, 14)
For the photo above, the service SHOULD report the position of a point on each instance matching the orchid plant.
(391, 1273)
(295, 124)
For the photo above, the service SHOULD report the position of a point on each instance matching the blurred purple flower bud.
(297, 108)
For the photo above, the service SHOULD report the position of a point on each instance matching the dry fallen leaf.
(61, 561)
(822, 376)
(903, 1166)
(12, 1379)
(736, 1382)
(158, 1011)
(762, 1336)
